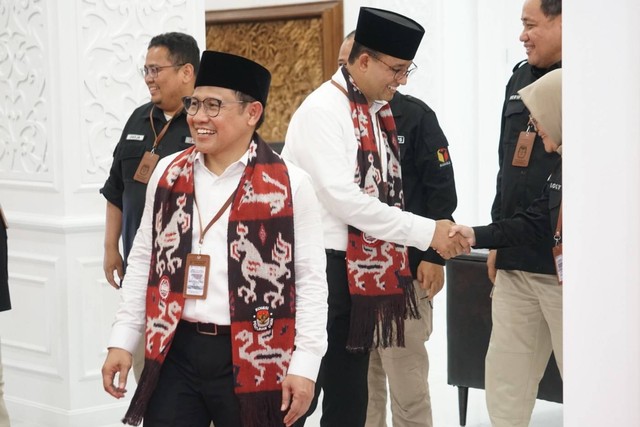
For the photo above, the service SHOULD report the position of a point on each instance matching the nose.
(403, 79)
(523, 35)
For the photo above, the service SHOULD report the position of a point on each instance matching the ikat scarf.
(261, 281)
(380, 281)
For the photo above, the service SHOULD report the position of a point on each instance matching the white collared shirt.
(211, 193)
(321, 140)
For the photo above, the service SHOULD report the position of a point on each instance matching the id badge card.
(196, 276)
(523, 149)
(557, 258)
(145, 168)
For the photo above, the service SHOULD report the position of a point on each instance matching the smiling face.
(377, 76)
(541, 35)
(225, 138)
(168, 87)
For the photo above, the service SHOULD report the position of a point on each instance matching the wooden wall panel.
(298, 44)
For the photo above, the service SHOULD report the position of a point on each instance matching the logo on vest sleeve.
(262, 319)
(443, 157)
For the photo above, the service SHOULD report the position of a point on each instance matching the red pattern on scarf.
(380, 281)
(261, 281)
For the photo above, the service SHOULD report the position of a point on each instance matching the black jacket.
(518, 187)
(5, 301)
(427, 173)
(137, 137)
(536, 224)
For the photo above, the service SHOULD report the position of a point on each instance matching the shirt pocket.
(132, 152)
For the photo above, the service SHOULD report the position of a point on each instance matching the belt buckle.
(215, 330)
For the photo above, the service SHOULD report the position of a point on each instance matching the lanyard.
(213, 220)
(157, 139)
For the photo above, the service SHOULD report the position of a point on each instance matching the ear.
(363, 61)
(188, 72)
(255, 110)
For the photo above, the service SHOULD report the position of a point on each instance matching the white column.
(602, 213)
(68, 81)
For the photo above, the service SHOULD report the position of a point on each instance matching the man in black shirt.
(527, 299)
(154, 130)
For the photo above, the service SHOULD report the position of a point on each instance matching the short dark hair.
(358, 49)
(551, 8)
(183, 49)
(241, 96)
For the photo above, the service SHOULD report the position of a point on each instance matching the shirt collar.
(338, 77)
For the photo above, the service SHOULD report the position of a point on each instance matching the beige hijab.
(543, 98)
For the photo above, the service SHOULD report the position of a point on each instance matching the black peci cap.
(388, 32)
(234, 72)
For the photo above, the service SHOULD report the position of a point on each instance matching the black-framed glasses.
(154, 69)
(398, 73)
(211, 106)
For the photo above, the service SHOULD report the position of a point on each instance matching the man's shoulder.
(403, 103)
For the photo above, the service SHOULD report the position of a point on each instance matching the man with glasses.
(227, 272)
(344, 135)
(154, 130)
(429, 191)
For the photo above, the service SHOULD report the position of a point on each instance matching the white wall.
(68, 81)
(602, 213)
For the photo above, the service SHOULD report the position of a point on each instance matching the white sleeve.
(311, 282)
(128, 326)
(319, 141)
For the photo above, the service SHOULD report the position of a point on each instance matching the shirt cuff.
(124, 337)
(305, 365)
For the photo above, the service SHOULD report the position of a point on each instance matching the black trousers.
(343, 375)
(196, 384)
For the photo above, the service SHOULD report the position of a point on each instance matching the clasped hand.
(451, 240)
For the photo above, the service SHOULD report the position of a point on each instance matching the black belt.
(336, 253)
(207, 328)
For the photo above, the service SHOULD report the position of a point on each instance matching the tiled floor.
(444, 397)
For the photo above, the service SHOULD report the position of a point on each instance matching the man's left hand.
(297, 393)
(431, 277)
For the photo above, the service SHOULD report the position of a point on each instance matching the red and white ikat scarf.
(380, 281)
(261, 281)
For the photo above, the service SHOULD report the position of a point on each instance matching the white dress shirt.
(212, 191)
(321, 140)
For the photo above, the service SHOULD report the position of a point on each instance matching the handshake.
(451, 239)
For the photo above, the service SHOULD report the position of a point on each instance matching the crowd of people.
(252, 281)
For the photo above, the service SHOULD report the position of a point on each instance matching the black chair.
(469, 329)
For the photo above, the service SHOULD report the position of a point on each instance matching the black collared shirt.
(518, 187)
(137, 137)
(427, 173)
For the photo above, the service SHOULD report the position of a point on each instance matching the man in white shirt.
(343, 135)
(230, 259)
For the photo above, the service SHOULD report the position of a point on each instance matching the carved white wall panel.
(115, 35)
(30, 330)
(24, 99)
(97, 304)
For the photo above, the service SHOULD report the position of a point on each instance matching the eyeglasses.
(398, 73)
(154, 69)
(211, 106)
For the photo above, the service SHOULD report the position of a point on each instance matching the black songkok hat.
(234, 72)
(388, 32)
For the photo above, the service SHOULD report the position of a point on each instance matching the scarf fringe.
(261, 409)
(379, 321)
(144, 390)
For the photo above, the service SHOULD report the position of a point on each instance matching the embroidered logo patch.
(443, 157)
(262, 319)
(164, 287)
